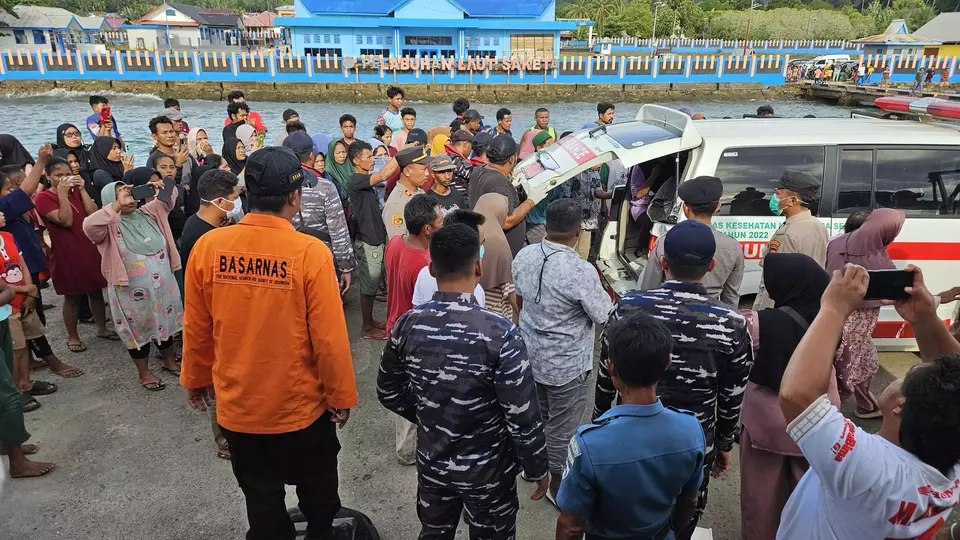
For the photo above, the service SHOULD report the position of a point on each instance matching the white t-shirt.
(427, 285)
(860, 485)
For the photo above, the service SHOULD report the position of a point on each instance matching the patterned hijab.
(140, 233)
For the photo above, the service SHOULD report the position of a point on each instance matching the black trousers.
(263, 464)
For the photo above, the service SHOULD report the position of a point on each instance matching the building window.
(171, 13)
(336, 39)
(747, 174)
(359, 40)
(306, 39)
(486, 42)
(897, 51)
(39, 37)
(326, 39)
(20, 36)
(375, 52)
(496, 42)
(408, 52)
(379, 40)
(484, 54)
(327, 52)
(428, 40)
(369, 40)
(389, 40)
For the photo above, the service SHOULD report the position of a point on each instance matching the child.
(385, 135)
(409, 117)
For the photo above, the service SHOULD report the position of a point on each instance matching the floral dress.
(148, 308)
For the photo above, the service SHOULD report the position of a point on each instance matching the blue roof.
(472, 8)
(389, 22)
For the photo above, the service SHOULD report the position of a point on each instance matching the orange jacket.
(263, 323)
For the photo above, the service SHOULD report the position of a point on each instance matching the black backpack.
(349, 524)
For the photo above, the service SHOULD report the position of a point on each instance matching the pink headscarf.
(867, 246)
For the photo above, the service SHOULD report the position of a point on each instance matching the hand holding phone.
(889, 285)
(918, 303)
(105, 114)
(143, 192)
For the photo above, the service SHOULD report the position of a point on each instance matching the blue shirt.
(625, 471)
(93, 126)
(13, 206)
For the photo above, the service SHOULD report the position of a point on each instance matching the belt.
(659, 534)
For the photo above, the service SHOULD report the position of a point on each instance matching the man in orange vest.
(264, 326)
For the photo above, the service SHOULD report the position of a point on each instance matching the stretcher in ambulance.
(863, 163)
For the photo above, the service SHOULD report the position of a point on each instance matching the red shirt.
(403, 263)
(12, 271)
(254, 117)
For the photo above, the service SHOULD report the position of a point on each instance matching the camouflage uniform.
(322, 211)
(461, 373)
(711, 360)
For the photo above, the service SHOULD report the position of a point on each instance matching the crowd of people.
(492, 306)
(860, 73)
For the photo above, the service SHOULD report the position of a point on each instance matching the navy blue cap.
(274, 170)
(298, 141)
(689, 243)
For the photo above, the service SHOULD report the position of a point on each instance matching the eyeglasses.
(71, 134)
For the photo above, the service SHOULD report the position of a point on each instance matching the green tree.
(636, 19)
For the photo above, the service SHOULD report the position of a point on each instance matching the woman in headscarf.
(70, 156)
(69, 137)
(74, 260)
(198, 144)
(857, 361)
(139, 258)
(106, 165)
(248, 136)
(771, 464)
(13, 153)
(497, 279)
(234, 154)
(340, 170)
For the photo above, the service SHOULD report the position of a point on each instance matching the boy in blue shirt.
(636, 471)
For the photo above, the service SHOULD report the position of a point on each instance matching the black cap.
(481, 141)
(701, 190)
(274, 170)
(409, 156)
(471, 115)
(500, 149)
(288, 114)
(764, 109)
(690, 243)
(801, 183)
(462, 135)
(299, 142)
(417, 135)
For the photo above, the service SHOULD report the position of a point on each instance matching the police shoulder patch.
(397, 220)
(773, 246)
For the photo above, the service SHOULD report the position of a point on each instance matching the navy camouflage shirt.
(460, 372)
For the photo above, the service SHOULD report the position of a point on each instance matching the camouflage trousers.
(490, 511)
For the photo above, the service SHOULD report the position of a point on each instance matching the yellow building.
(944, 28)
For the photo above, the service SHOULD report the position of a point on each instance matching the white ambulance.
(863, 163)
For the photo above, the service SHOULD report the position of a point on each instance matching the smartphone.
(105, 114)
(143, 192)
(166, 194)
(888, 285)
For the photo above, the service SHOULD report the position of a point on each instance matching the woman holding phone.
(139, 258)
(107, 164)
(74, 261)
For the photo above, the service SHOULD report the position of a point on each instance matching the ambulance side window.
(750, 175)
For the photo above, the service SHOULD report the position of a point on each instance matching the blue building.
(445, 28)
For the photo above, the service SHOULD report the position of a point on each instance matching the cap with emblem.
(299, 142)
(442, 163)
(289, 113)
(805, 186)
(701, 190)
(461, 135)
(481, 141)
(471, 115)
(417, 135)
(500, 149)
(409, 156)
(173, 114)
(540, 138)
(689, 243)
(274, 170)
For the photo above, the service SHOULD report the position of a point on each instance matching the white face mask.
(235, 213)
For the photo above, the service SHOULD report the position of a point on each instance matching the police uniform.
(393, 207)
(800, 233)
(658, 448)
(264, 326)
(712, 352)
(723, 282)
(461, 373)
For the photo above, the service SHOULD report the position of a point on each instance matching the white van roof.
(813, 131)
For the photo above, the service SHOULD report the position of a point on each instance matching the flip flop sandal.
(224, 455)
(378, 335)
(154, 386)
(112, 336)
(174, 372)
(381, 297)
(41, 388)
(77, 347)
(29, 404)
(69, 374)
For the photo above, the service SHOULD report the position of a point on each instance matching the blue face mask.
(775, 204)
(481, 252)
